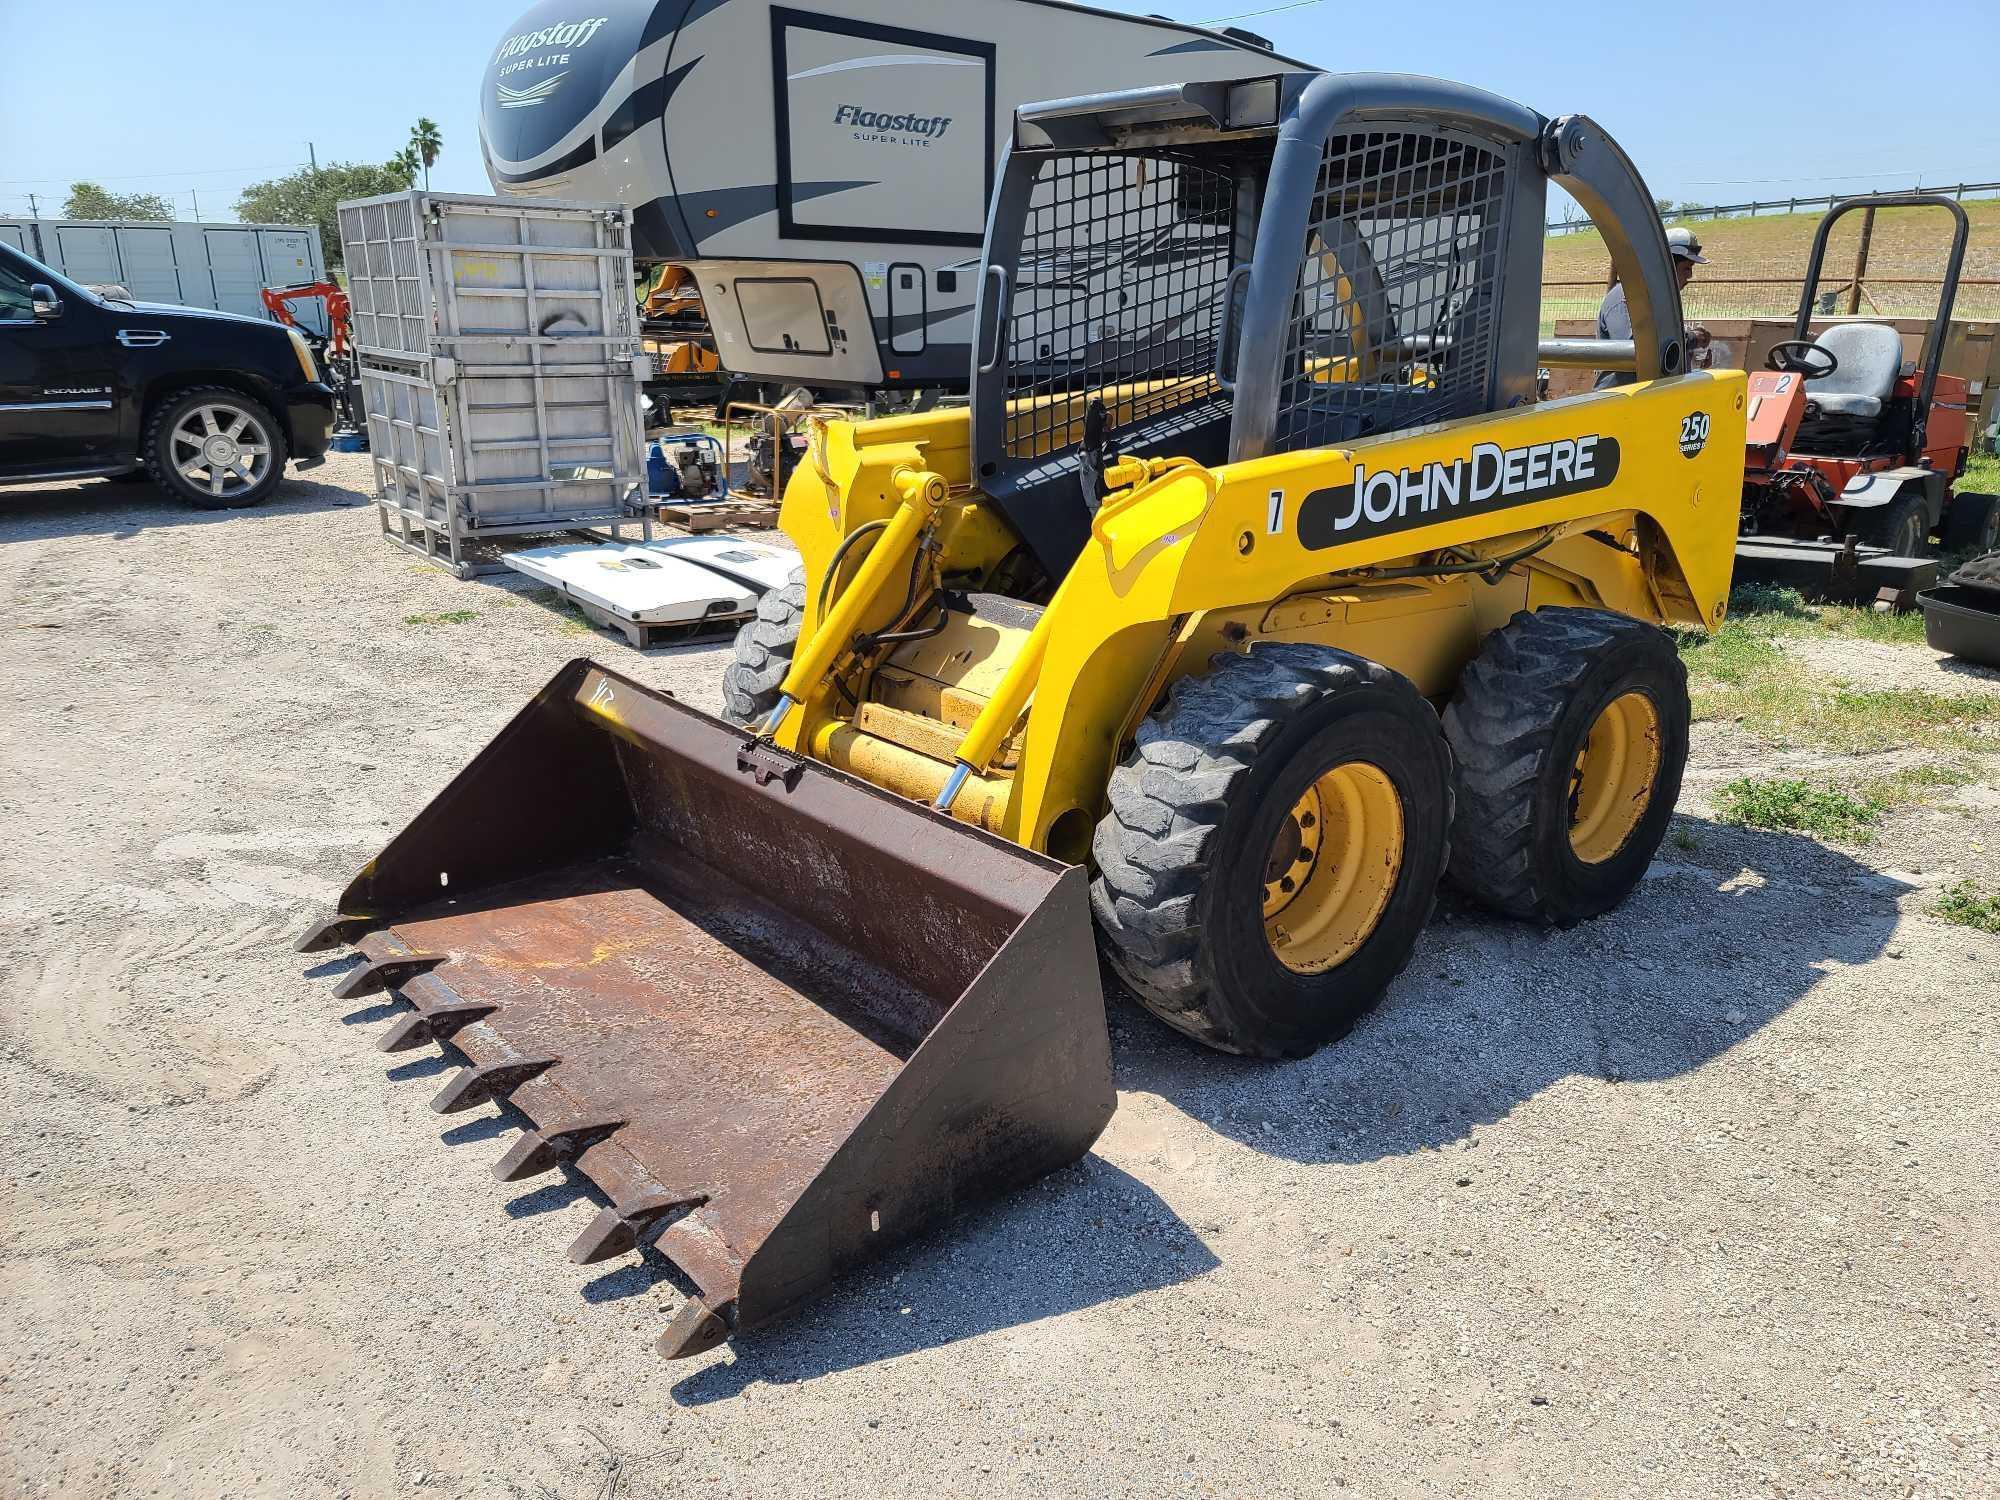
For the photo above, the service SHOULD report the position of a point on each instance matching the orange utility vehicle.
(1850, 445)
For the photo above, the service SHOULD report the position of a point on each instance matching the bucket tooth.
(696, 1329)
(380, 974)
(618, 1229)
(539, 1151)
(334, 932)
(495, 1081)
(438, 1024)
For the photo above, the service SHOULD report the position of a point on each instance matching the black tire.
(1903, 526)
(1196, 810)
(1972, 524)
(764, 647)
(1520, 719)
(158, 450)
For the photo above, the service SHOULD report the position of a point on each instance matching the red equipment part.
(339, 326)
(1797, 479)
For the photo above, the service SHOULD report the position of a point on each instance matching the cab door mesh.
(1395, 318)
(1117, 293)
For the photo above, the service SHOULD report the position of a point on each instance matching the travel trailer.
(825, 174)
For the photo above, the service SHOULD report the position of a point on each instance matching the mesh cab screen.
(1117, 293)
(1396, 314)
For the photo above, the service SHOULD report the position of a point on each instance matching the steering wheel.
(1803, 358)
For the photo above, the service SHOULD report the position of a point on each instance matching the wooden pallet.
(720, 515)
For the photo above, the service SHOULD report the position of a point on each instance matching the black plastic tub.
(1964, 622)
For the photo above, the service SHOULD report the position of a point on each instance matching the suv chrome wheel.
(221, 448)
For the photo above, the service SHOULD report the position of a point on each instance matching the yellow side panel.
(1636, 481)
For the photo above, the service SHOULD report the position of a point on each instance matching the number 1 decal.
(1276, 521)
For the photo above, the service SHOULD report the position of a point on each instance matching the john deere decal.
(1383, 501)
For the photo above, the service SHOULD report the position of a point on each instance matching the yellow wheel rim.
(1612, 783)
(1331, 868)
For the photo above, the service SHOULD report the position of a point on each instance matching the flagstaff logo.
(1384, 501)
(569, 34)
(874, 124)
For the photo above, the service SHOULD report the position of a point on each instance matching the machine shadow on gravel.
(1086, 1235)
(1731, 927)
(121, 511)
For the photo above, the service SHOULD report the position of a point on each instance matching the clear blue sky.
(1715, 102)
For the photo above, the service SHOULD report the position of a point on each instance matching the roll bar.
(1933, 355)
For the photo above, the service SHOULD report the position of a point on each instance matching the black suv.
(209, 404)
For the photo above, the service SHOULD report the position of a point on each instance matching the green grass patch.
(1741, 675)
(443, 617)
(1982, 474)
(1966, 905)
(1832, 811)
(1797, 807)
(1768, 609)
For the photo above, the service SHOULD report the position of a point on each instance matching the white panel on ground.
(751, 564)
(636, 584)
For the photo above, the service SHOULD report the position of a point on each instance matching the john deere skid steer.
(1254, 594)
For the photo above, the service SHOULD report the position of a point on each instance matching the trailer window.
(1396, 314)
(1117, 295)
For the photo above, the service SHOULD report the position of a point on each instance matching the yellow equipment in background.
(1253, 595)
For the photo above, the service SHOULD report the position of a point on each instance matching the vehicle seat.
(1871, 356)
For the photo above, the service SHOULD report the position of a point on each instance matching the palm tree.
(406, 164)
(427, 143)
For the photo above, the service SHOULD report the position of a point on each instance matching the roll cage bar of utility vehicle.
(1322, 182)
(1933, 351)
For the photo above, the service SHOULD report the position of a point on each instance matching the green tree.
(427, 143)
(313, 197)
(406, 164)
(89, 200)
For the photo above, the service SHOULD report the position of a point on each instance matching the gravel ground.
(1877, 665)
(1695, 1200)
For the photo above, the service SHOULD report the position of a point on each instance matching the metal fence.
(1778, 297)
(1960, 190)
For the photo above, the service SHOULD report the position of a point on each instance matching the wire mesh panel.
(1118, 293)
(1396, 316)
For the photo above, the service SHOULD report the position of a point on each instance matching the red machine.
(1851, 442)
(339, 340)
(335, 348)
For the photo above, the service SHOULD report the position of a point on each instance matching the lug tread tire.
(1503, 723)
(764, 646)
(1169, 802)
(171, 483)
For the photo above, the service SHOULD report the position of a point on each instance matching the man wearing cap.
(1614, 319)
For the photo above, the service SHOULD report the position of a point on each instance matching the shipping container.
(184, 264)
(497, 344)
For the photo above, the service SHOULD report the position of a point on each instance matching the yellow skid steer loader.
(1254, 594)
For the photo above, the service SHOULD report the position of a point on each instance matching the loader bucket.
(783, 1019)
